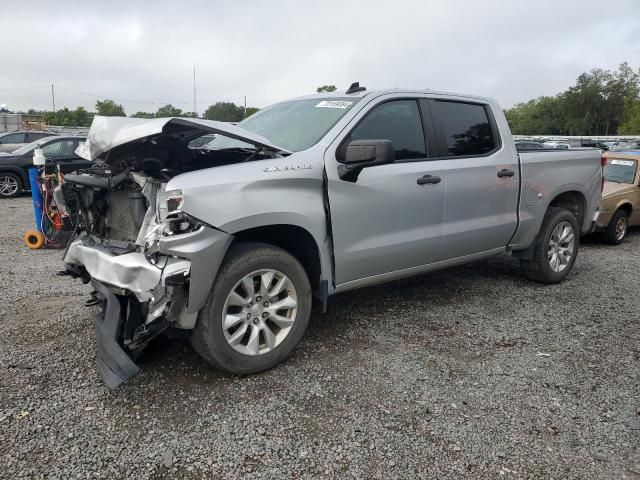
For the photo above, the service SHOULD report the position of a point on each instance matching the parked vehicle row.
(14, 176)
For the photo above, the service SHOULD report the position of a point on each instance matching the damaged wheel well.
(293, 239)
(572, 201)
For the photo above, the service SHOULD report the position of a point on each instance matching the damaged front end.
(151, 265)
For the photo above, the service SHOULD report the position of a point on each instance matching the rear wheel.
(556, 247)
(257, 311)
(10, 185)
(617, 228)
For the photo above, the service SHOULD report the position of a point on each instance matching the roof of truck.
(376, 93)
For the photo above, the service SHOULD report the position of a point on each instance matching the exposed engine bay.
(116, 199)
(141, 253)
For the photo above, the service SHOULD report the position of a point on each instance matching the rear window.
(619, 170)
(464, 128)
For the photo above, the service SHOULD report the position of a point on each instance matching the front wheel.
(10, 185)
(257, 311)
(556, 247)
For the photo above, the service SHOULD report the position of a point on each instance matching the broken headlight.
(169, 204)
(179, 222)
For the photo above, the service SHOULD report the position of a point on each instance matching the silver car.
(11, 141)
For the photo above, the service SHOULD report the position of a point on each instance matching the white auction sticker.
(628, 163)
(334, 104)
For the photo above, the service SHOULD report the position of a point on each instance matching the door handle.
(506, 173)
(428, 179)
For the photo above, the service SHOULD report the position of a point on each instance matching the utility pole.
(194, 92)
(244, 113)
(53, 99)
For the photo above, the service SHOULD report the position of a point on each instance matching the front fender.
(205, 248)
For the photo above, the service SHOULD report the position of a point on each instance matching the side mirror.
(360, 154)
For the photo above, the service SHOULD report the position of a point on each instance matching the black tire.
(18, 185)
(611, 234)
(208, 337)
(538, 268)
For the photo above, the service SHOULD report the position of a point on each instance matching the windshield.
(295, 125)
(621, 171)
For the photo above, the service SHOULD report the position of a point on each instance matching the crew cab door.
(482, 177)
(386, 220)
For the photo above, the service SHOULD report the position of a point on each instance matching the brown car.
(620, 204)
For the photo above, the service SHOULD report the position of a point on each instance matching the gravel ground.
(472, 372)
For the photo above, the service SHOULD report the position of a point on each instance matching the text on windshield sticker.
(628, 163)
(334, 104)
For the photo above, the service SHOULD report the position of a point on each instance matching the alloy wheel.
(621, 228)
(8, 186)
(561, 246)
(259, 312)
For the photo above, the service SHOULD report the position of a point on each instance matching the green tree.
(69, 118)
(631, 123)
(189, 115)
(250, 111)
(81, 118)
(143, 115)
(168, 111)
(224, 112)
(109, 108)
(595, 105)
(326, 88)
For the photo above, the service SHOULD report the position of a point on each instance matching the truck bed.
(545, 174)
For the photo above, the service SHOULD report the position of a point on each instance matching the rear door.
(385, 220)
(482, 178)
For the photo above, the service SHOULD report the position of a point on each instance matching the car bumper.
(169, 282)
(115, 365)
(602, 221)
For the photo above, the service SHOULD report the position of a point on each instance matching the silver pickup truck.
(307, 198)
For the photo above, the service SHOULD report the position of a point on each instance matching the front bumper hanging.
(114, 365)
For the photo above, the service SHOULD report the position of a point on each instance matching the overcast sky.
(141, 54)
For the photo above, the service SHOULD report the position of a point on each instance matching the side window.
(53, 150)
(33, 136)
(13, 138)
(464, 128)
(398, 121)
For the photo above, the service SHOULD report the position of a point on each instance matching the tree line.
(220, 111)
(80, 117)
(602, 102)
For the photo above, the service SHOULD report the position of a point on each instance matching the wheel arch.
(626, 206)
(297, 241)
(24, 179)
(574, 201)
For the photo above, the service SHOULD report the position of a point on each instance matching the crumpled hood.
(110, 132)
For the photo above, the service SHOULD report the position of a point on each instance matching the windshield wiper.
(231, 149)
